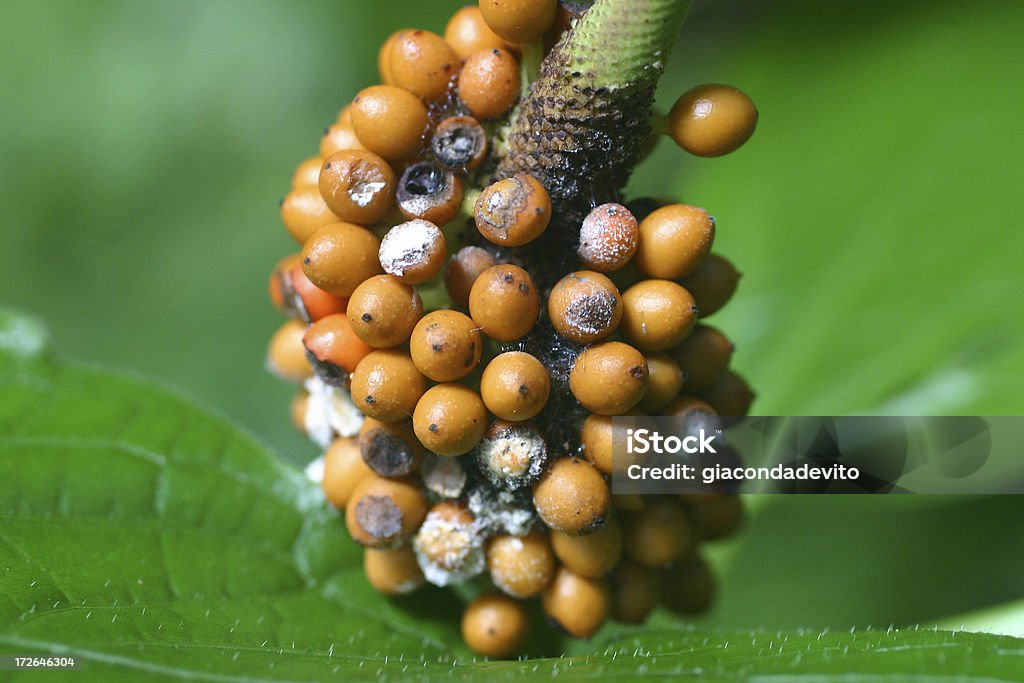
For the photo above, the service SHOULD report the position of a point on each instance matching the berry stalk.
(583, 125)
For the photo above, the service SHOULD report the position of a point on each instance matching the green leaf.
(147, 536)
(872, 212)
(1006, 619)
(842, 561)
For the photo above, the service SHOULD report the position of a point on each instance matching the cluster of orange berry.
(463, 386)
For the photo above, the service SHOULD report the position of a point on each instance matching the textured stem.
(584, 123)
(579, 131)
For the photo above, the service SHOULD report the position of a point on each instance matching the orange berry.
(389, 121)
(307, 174)
(358, 186)
(304, 211)
(467, 32)
(712, 120)
(674, 240)
(421, 62)
(340, 256)
(338, 137)
(609, 378)
(519, 21)
(286, 356)
(513, 211)
(334, 348)
(489, 83)
(609, 237)
(315, 302)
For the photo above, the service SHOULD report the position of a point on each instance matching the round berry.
(521, 566)
(304, 211)
(312, 302)
(429, 192)
(450, 419)
(717, 517)
(634, 592)
(446, 345)
(343, 470)
(413, 252)
(334, 348)
(286, 356)
(512, 454)
(338, 137)
(688, 587)
(515, 386)
(386, 385)
(729, 394)
(389, 448)
(459, 144)
(462, 271)
(703, 356)
(596, 437)
(383, 311)
(665, 381)
(444, 477)
(513, 211)
(382, 513)
(609, 237)
(585, 307)
(674, 240)
(358, 186)
(340, 256)
(467, 32)
(519, 21)
(609, 378)
(448, 545)
(276, 288)
(489, 83)
(384, 58)
(389, 121)
(495, 625)
(657, 535)
(392, 571)
(307, 174)
(421, 62)
(572, 497)
(657, 315)
(712, 120)
(593, 555)
(712, 284)
(576, 603)
(504, 302)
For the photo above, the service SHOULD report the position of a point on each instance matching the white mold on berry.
(408, 245)
(330, 413)
(443, 476)
(449, 549)
(513, 456)
(501, 512)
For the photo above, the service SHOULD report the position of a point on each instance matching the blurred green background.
(876, 215)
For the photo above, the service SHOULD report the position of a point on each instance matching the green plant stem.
(583, 125)
(529, 65)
